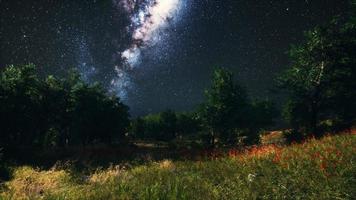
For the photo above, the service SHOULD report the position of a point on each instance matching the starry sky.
(159, 54)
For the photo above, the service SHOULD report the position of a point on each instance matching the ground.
(315, 169)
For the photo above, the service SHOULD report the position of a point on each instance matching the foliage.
(168, 125)
(228, 114)
(188, 124)
(262, 114)
(316, 169)
(225, 106)
(165, 126)
(321, 80)
(56, 112)
(20, 105)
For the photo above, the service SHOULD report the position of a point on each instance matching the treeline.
(58, 112)
(321, 97)
(50, 111)
(227, 117)
(320, 85)
(164, 126)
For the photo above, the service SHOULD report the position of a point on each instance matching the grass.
(316, 169)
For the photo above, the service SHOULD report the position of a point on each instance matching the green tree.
(19, 105)
(95, 117)
(225, 108)
(137, 128)
(262, 114)
(168, 125)
(321, 80)
(152, 128)
(187, 124)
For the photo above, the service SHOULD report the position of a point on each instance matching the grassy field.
(316, 169)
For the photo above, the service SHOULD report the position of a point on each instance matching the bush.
(293, 136)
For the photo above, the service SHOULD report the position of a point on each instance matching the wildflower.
(317, 155)
(233, 153)
(322, 166)
(277, 158)
(251, 177)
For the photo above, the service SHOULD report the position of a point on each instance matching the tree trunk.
(313, 119)
(212, 139)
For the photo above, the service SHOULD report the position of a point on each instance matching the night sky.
(159, 54)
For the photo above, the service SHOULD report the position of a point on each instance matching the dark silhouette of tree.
(137, 128)
(19, 105)
(261, 115)
(168, 125)
(188, 124)
(164, 126)
(152, 127)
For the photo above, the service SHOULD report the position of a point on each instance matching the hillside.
(316, 169)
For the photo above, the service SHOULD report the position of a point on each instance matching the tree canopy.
(228, 113)
(321, 80)
(55, 112)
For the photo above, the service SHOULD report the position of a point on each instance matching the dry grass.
(315, 169)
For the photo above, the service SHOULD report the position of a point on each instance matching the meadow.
(315, 169)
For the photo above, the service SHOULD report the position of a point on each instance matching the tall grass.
(316, 169)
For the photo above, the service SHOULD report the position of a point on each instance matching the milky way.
(149, 19)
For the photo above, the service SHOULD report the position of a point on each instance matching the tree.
(225, 107)
(19, 105)
(165, 126)
(57, 112)
(261, 115)
(137, 128)
(187, 124)
(152, 123)
(321, 80)
(96, 117)
(168, 125)
(54, 105)
(161, 126)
